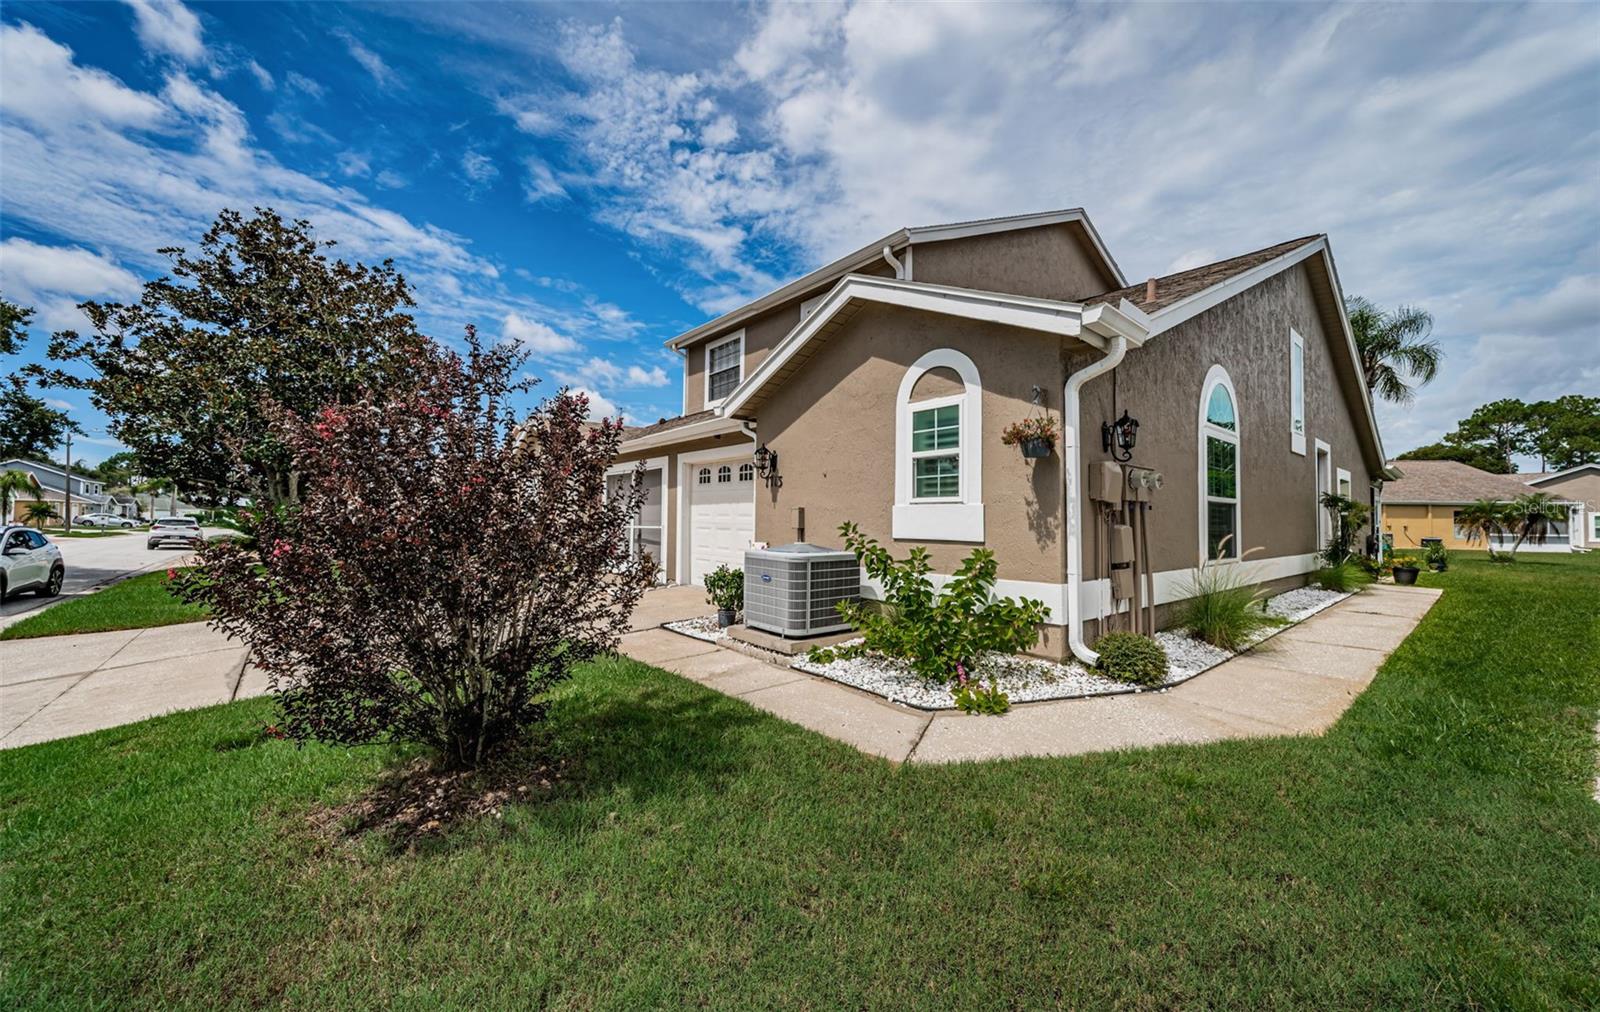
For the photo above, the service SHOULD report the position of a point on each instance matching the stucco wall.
(735, 443)
(1583, 487)
(1160, 385)
(1047, 263)
(833, 426)
(1407, 524)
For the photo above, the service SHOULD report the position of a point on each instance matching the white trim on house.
(1164, 319)
(1569, 472)
(1093, 325)
(1321, 481)
(738, 336)
(873, 252)
(1297, 390)
(960, 519)
(680, 501)
(647, 463)
(1218, 376)
(713, 426)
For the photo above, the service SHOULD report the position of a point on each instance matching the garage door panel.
(721, 517)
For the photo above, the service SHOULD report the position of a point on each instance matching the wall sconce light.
(1118, 438)
(767, 466)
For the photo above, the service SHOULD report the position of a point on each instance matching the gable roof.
(1174, 288)
(1450, 482)
(872, 252)
(1541, 477)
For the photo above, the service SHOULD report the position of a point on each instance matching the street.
(93, 562)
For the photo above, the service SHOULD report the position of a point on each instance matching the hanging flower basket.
(1036, 436)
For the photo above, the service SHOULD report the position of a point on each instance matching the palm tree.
(1534, 516)
(39, 512)
(1486, 520)
(13, 486)
(1393, 345)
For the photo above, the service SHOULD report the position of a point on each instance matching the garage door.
(722, 515)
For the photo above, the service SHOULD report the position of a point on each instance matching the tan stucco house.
(875, 390)
(1422, 504)
(1579, 485)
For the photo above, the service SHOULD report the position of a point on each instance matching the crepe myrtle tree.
(449, 561)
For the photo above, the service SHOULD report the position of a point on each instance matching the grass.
(139, 602)
(1437, 848)
(1222, 607)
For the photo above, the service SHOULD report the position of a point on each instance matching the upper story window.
(938, 478)
(1219, 466)
(1297, 393)
(724, 368)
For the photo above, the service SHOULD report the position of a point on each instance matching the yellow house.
(1423, 503)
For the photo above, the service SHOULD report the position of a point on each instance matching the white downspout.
(899, 268)
(1071, 467)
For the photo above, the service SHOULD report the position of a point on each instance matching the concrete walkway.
(1298, 682)
(58, 686)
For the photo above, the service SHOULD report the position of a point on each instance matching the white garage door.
(722, 514)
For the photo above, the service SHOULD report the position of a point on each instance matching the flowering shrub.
(940, 634)
(1042, 427)
(972, 696)
(449, 562)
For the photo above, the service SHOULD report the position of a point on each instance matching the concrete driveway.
(93, 563)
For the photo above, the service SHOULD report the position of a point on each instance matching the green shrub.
(1437, 557)
(973, 697)
(1221, 608)
(937, 632)
(1129, 657)
(1345, 578)
(725, 588)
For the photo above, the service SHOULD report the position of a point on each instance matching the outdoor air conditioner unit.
(794, 590)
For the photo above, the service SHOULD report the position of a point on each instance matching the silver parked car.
(29, 562)
(185, 531)
(104, 520)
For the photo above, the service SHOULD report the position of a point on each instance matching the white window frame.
(961, 518)
(1215, 377)
(1594, 525)
(917, 407)
(1342, 483)
(738, 336)
(1297, 386)
(1322, 480)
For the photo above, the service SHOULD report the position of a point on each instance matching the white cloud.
(600, 406)
(262, 75)
(530, 114)
(168, 28)
(352, 163)
(479, 170)
(303, 84)
(603, 372)
(534, 336)
(371, 62)
(655, 376)
(54, 279)
(390, 180)
(40, 83)
(540, 183)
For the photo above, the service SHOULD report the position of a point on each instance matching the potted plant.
(1405, 570)
(1036, 436)
(1437, 558)
(725, 589)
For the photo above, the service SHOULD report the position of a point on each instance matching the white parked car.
(104, 520)
(29, 562)
(183, 530)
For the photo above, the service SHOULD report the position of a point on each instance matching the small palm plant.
(1534, 517)
(39, 512)
(13, 486)
(1484, 520)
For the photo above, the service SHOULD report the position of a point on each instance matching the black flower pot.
(727, 616)
(1405, 576)
(1036, 449)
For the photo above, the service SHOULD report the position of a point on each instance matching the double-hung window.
(1297, 393)
(936, 450)
(1219, 456)
(724, 368)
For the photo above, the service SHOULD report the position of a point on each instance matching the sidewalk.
(57, 686)
(1298, 682)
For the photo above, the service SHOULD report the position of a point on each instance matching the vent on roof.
(795, 590)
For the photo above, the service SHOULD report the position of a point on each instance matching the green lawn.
(1438, 848)
(138, 602)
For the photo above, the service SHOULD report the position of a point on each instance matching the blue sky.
(591, 179)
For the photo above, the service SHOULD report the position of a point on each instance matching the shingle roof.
(1450, 482)
(666, 424)
(1173, 288)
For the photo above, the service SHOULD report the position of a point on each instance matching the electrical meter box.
(1105, 482)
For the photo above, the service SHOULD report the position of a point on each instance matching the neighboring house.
(1423, 503)
(88, 493)
(1580, 484)
(882, 383)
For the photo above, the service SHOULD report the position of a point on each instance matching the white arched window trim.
(1215, 377)
(961, 518)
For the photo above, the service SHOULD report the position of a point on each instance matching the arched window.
(1219, 467)
(747, 472)
(724, 474)
(704, 477)
(938, 478)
